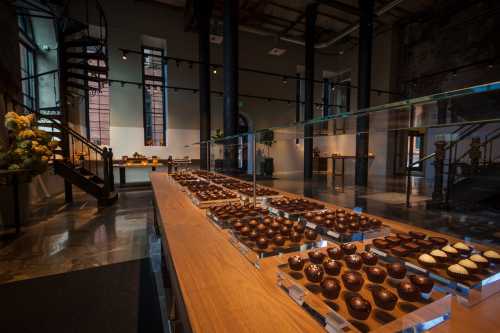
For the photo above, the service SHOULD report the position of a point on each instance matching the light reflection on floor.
(60, 239)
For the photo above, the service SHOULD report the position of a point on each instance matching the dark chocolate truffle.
(358, 307)
(311, 234)
(318, 220)
(314, 273)
(405, 238)
(423, 283)
(438, 241)
(413, 247)
(295, 237)
(330, 288)
(369, 258)
(262, 242)
(245, 231)
(341, 228)
(384, 298)
(400, 251)
(334, 252)
(353, 261)
(393, 240)
(417, 234)
(316, 256)
(253, 235)
(285, 231)
(375, 222)
(299, 227)
(381, 243)
(423, 243)
(408, 292)
(238, 225)
(278, 240)
(270, 233)
(348, 248)
(275, 225)
(267, 221)
(375, 274)
(253, 223)
(296, 263)
(331, 267)
(353, 280)
(261, 229)
(396, 270)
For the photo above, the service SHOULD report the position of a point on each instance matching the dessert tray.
(223, 215)
(291, 208)
(344, 226)
(454, 265)
(360, 304)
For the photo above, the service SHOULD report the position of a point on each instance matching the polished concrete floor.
(62, 238)
(386, 196)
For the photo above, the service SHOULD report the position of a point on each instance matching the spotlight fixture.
(124, 55)
(454, 73)
(333, 88)
(284, 80)
(341, 52)
(214, 71)
(490, 66)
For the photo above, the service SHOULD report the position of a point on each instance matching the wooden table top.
(223, 292)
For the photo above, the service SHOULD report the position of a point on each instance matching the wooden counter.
(218, 290)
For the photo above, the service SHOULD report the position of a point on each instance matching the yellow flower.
(27, 134)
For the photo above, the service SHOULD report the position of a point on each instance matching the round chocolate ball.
(353, 280)
(354, 226)
(262, 242)
(308, 215)
(299, 227)
(318, 219)
(285, 231)
(348, 248)
(341, 228)
(354, 261)
(238, 225)
(314, 273)
(335, 252)
(331, 267)
(384, 298)
(267, 221)
(396, 270)
(245, 231)
(275, 225)
(279, 219)
(261, 229)
(278, 240)
(358, 307)
(329, 223)
(253, 223)
(375, 274)
(330, 288)
(295, 237)
(253, 235)
(270, 233)
(408, 292)
(316, 256)
(369, 258)
(296, 263)
(311, 234)
(423, 283)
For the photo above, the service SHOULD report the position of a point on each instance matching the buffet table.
(216, 289)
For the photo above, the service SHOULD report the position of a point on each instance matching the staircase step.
(86, 67)
(79, 76)
(83, 42)
(85, 55)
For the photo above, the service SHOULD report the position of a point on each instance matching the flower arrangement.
(28, 148)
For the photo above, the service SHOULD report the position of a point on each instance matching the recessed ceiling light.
(276, 52)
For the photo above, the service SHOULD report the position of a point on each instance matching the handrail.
(483, 144)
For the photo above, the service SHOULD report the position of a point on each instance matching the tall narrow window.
(98, 105)
(27, 76)
(154, 78)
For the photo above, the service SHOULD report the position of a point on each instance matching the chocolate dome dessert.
(369, 258)
(279, 240)
(408, 292)
(396, 270)
(295, 237)
(311, 234)
(299, 227)
(331, 267)
(375, 274)
(417, 234)
(335, 252)
(384, 298)
(296, 263)
(348, 248)
(358, 307)
(262, 242)
(438, 241)
(330, 288)
(353, 280)
(316, 256)
(314, 273)
(354, 261)
(423, 283)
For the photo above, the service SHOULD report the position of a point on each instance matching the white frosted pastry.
(426, 259)
(478, 258)
(438, 253)
(461, 246)
(449, 249)
(490, 254)
(458, 272)
(468, 264)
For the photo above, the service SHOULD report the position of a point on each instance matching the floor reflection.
(61, 238)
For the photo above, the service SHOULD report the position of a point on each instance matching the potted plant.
(267, 166)
(28, 148)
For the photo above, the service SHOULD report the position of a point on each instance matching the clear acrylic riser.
(418, 319)
(467, 295)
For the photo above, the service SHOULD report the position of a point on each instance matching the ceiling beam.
(293, 24)
(340, 6)
(295, 10)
